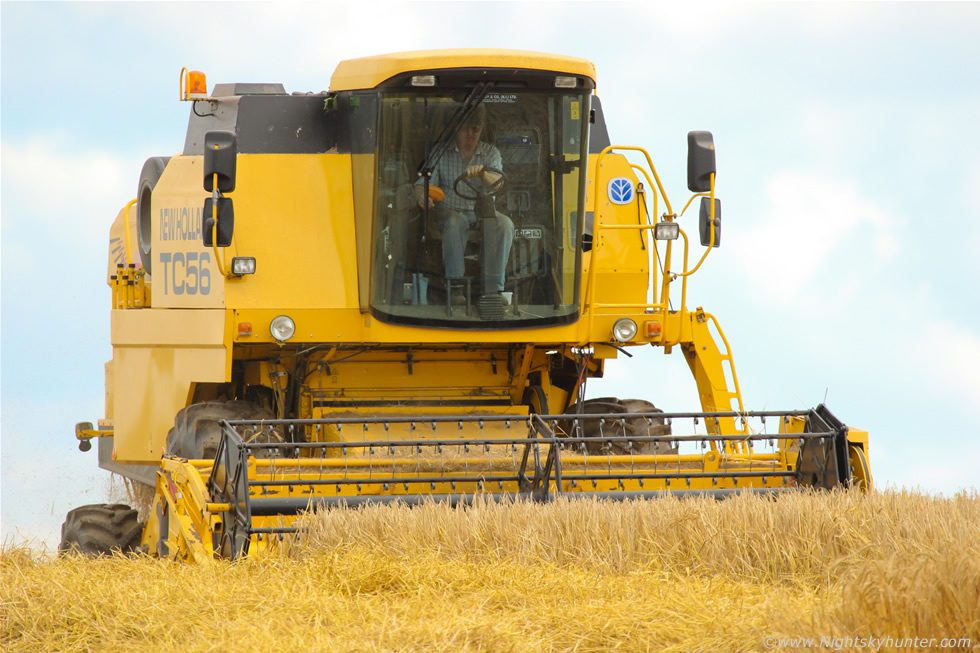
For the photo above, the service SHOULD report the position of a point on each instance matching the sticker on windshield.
(529, 233)
(498, 98)
(620, 190)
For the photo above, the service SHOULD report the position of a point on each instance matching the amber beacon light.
(193, 85)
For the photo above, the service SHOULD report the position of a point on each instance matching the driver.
(469, 158)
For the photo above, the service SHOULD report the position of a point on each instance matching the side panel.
(117, 242)
(157, 355)
(185, 274)
(621, 256)
(294, 213)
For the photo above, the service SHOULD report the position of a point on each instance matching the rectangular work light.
(666, 231)
(241, 265)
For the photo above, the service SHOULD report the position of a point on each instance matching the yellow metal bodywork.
(185, 274)
(157, 356)
(369, 72)
(308, 220)
(858, 443)
(121, 241)
(621, 256)
(182, 523)
(180, 348)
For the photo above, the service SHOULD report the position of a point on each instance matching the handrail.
(129, 251)
(651, 307)
(668, 276)
(731, 361)
(711, 240)
(597, 225)
(655, 259)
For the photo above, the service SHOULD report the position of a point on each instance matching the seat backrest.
(520, 150)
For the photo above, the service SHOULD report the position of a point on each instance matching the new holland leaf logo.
(620, 190)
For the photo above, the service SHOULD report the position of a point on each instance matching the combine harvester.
(319, 333)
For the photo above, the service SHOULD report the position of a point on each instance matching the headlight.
(624, 330)
(282, 328)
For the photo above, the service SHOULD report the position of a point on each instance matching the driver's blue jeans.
(499, 235)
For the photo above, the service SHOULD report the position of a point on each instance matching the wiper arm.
(448, 134)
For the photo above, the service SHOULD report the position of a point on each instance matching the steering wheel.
(475, 184)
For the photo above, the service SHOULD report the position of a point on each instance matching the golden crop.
(566, 576)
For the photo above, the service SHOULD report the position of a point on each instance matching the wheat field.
(848, 571)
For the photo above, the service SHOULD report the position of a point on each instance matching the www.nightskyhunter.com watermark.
(837, 643)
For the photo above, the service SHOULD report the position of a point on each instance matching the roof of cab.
(368, 72)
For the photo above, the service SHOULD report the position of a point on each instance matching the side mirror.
(700, 161)
(221, 157)
(226, 221)
(705, 222)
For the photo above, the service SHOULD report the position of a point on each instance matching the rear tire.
(196, 432)
(101, 529)
(149, 176)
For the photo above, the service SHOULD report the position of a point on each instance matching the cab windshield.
(479, 206)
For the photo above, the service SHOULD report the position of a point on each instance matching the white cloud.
(832, 131)
(311, 37)
(690, 24)
(951, 359)
(973, 197)
(972, 203)
(807, 220)
(926, 465)
(69, 194)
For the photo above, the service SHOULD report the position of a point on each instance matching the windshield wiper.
(448, 134)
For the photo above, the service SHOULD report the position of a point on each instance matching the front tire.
(101, 529)
(196, 432)
(595, 430)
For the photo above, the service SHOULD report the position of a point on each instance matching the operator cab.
(523, 215)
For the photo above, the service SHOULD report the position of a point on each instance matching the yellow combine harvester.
(397, 290)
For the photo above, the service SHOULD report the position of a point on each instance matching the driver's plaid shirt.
(451, 166)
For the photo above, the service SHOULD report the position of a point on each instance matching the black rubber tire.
(149, 176)
(196, 432)
(636, 426)
(101, 529)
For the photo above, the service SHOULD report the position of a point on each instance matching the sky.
(847, 166)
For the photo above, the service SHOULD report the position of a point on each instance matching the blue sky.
(848, 168)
